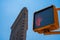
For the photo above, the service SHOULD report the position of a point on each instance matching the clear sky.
(9, 10)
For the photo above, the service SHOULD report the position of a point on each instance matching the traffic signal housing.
(46, 20)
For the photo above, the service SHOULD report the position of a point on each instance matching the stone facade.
(20, 26)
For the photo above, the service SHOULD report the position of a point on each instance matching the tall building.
(20, 26)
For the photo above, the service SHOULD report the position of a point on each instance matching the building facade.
(20, 26)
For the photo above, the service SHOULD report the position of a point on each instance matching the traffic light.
(46, 20)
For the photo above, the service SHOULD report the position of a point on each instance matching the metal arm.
(57, 8)
(47, 32)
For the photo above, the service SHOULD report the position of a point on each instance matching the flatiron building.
(20, 26)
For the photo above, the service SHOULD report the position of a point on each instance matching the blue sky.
(9, 10)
